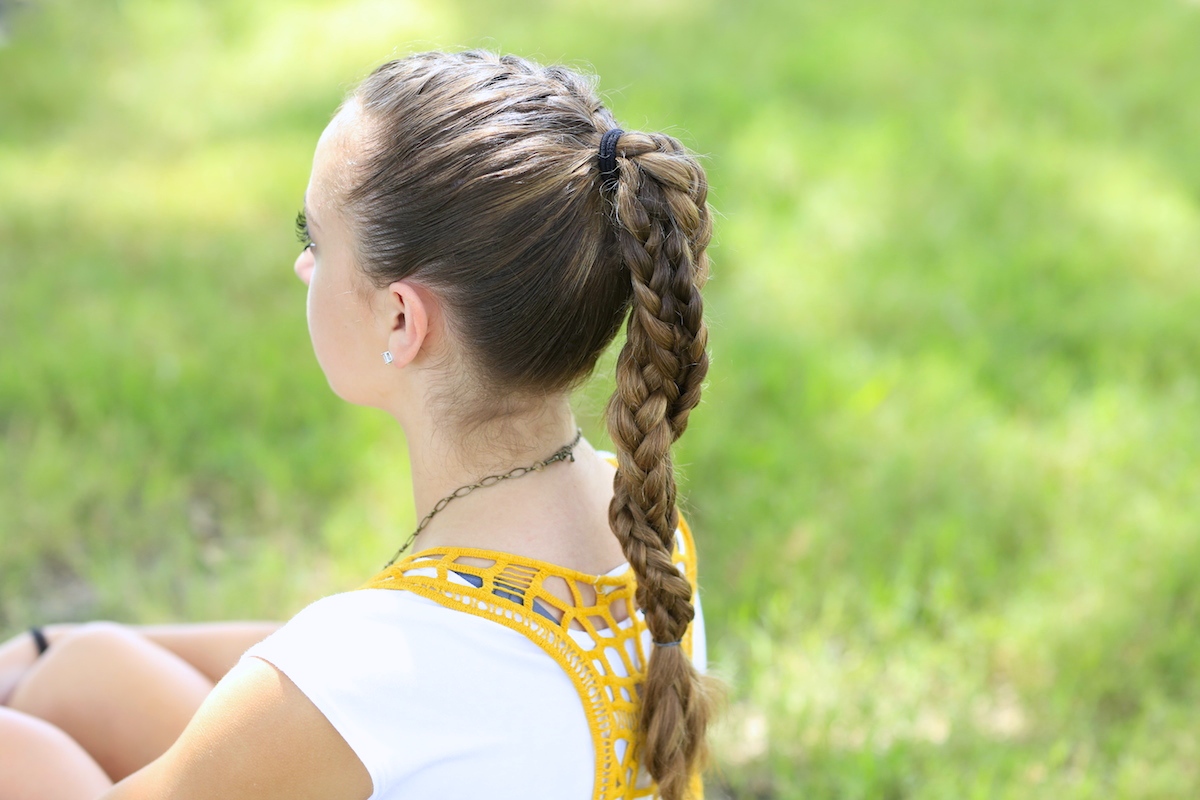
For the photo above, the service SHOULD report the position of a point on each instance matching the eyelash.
(302, 234)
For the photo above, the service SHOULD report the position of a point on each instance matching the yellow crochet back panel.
(594, 638)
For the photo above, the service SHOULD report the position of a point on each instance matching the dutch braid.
(663, 227)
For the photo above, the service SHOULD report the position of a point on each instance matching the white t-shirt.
(439, 703)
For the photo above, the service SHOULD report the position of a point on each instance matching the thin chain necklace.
(564, 453)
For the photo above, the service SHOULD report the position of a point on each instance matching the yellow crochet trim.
(606, 636)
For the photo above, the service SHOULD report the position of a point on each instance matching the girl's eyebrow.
(308, 217)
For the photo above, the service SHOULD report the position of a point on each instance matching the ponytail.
(663, 227)
(476, 178)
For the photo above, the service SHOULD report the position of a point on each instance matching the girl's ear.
(407, 309)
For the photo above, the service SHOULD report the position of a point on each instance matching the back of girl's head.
(480, 183)
(480, 178)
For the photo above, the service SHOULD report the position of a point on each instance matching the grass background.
(945, 473)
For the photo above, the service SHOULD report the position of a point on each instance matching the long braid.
(663, 227)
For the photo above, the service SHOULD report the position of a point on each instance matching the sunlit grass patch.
(944, 473)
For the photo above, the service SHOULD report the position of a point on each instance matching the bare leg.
(211, 647)
(40, 762)
(17, 655)
(124, 699)
(95, 653)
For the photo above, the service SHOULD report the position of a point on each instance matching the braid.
(663, 227)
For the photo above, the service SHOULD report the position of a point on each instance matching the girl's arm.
(256, 737)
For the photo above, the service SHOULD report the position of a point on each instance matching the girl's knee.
(93, 637)
(72, 663)
(25, 736)
(39, 760)
(123, 698)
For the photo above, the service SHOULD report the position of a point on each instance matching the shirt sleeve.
(336, 653)
(415, 688)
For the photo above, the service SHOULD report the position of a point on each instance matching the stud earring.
(387, 357)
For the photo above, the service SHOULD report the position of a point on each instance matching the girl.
(475, 231)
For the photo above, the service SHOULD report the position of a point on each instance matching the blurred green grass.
(943, 475)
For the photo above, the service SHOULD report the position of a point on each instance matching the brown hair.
(480, 178)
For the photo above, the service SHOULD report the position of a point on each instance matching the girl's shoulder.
(402, 678)
(389, 641)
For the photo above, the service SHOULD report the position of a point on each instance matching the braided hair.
(480, 178)
(663, 228)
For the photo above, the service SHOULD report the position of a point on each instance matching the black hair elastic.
(668, 644)
(39, 638)
(608, 157)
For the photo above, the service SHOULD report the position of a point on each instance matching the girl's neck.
(445, 456)
(558, 514)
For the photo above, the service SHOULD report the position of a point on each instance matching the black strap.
(39, 638)
(608, 157)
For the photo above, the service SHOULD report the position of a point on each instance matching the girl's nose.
(305, 263)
